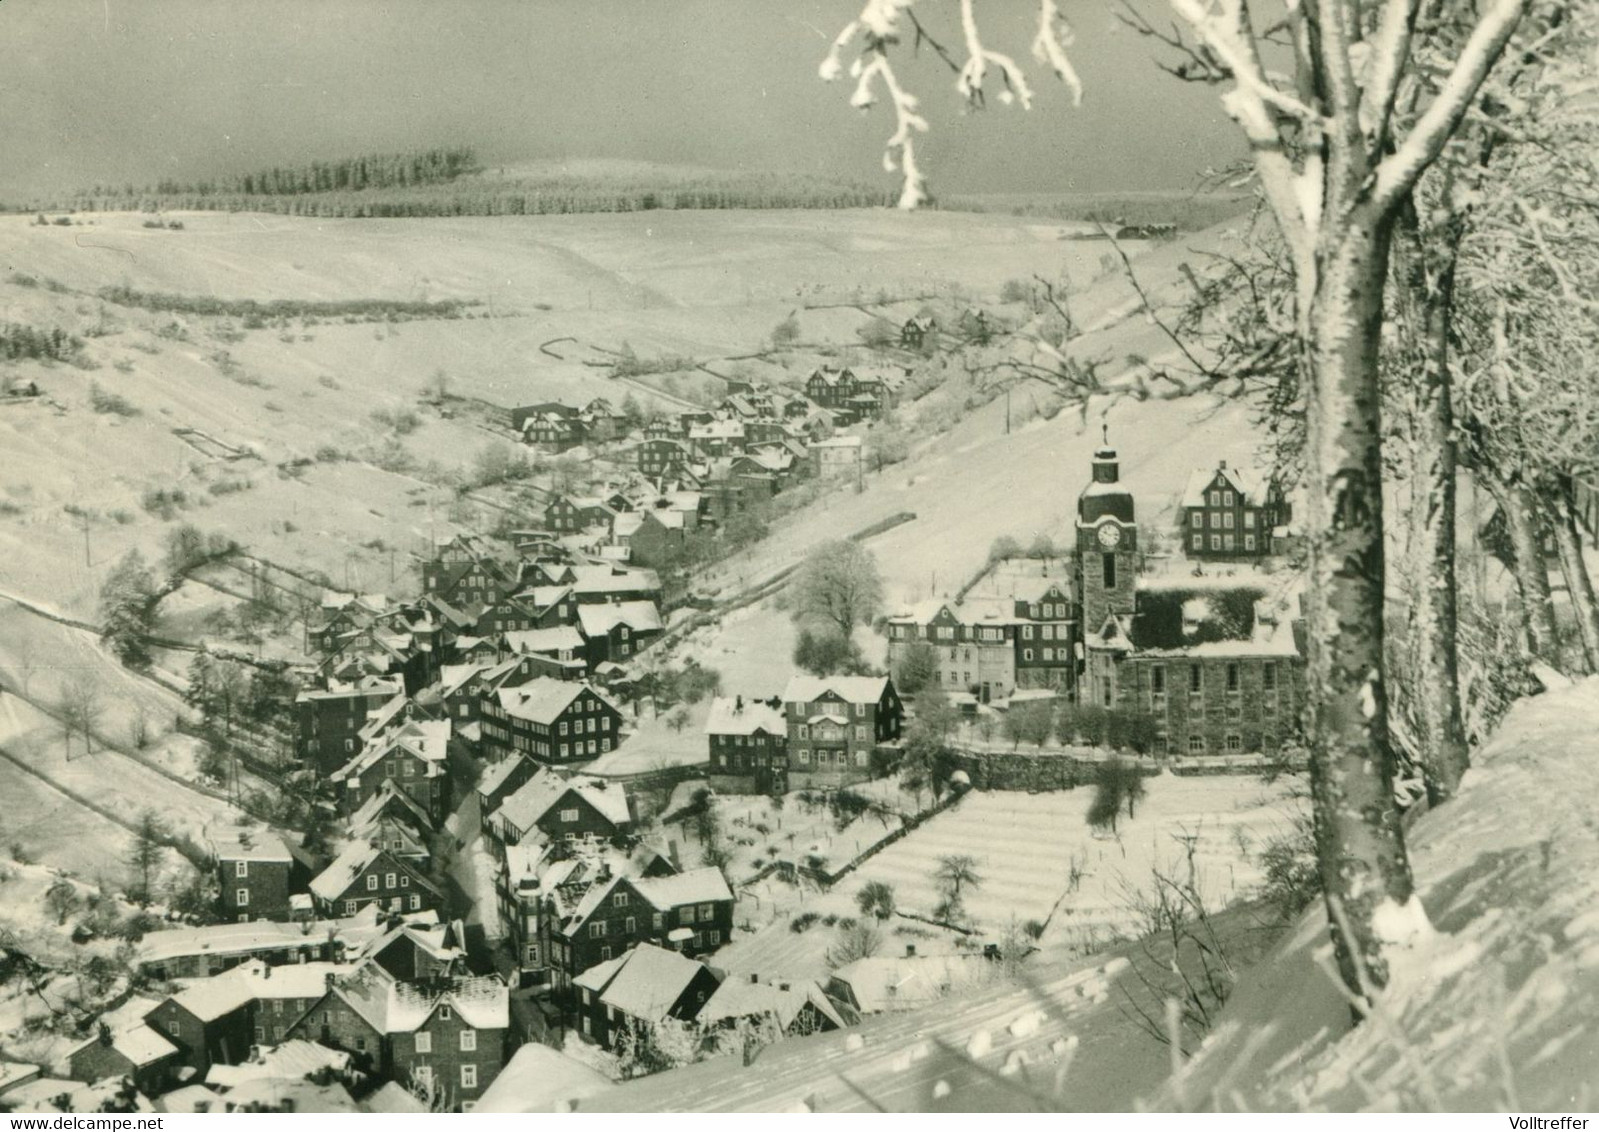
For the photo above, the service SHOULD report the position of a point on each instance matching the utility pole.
(88, 559)
(1007, 410)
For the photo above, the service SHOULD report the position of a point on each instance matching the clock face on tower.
(1109, 535)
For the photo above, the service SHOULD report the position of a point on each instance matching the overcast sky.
(132, 90)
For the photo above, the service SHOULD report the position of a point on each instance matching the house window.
(1196, 744)
(241, 869)
(1196, 679)
(349, 907)
(468, 1041)
(372, 882)
(172, 1028)
(596, 929)
(444, 1013)
(632, 925)
(405, 881)
(1249, 520)
(804, 731)
(1196, 519)
(1227, 540)
(241, 897)
(389, 881)
(659, 921)
(1157, 681)
(860, 732)
(1235, 742)
(1215, 542)
(1215, 499)
(1227, 500)
(1249, 542)
(716, 938)
(424, 1043)
(1268, 677)
(1199, 542)
(805, 756)
(468, 1076)
(416, 902)
(619, 900)
(707, 911)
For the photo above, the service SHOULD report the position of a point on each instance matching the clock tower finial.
(1104, 433)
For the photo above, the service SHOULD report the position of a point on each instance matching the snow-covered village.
(864, 560)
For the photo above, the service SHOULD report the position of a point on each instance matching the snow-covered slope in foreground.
(1499, 1010)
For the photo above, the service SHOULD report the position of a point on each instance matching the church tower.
(1107, 543)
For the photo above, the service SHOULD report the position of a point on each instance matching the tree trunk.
(1523, 523)
(1435, 684)
(1579, 585)
(1360, 844)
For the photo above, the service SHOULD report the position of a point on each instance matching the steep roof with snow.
(851, 689)
(644, 982)
(1250, 486)
(428, 740)
(639, 616)
(392, 1007)
(542, 700)
(884, 983)
(290, 1061)
(740, 997)
(541, 1079)
(730, 717)
(540, 794)
(250, 845)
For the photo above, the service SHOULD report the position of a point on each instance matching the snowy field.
(1027, 845)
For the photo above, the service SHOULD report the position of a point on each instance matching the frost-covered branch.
(1398, 172)
(878, 26)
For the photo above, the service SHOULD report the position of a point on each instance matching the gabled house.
(1230, 514)
(521, 414)
(413, 757)
(365, 874)
(617, 632)
(689, 912)
(254, 871)
(392, 819)
(562, 809)
(640, 988)
(502, 779)
(834, 725)
(748, 746)
(448, 1037)
(416, 953)
(554, 432)
(550, 720)
(884, 984)
(125, 1045)
(328, 720)
(562, 646)
(568, 514)
(791, 1009)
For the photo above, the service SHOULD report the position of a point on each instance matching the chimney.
(738, 703)
(327, 981)
(754, 978)
(782, 986)
(1222, 466)
(910, 951)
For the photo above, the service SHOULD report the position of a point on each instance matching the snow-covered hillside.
(1498, 1007)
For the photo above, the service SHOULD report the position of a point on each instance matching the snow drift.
(1498, 1006)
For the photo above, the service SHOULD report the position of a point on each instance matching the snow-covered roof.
(395, 1098)
(885, 983)
(851, 689)
(643, 983)
(290, 1061)
(392, 1007)
(598, 620)
(364, 686)
(331, 882)
(544, 699)
(1250, 486)
(190, 1098)
(497, 774)
(140, 1043)
(528, 641)
(541, 1079)
(740, 997)
(385, 801)
(731, 717)
(696, 886)
(428, 740)
(836, 442)
(540, 794)
(250, 845)
(228, 939)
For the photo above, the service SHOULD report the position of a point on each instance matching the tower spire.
(1104, 433)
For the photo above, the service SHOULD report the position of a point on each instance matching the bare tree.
(838, 586)
(82, 708)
